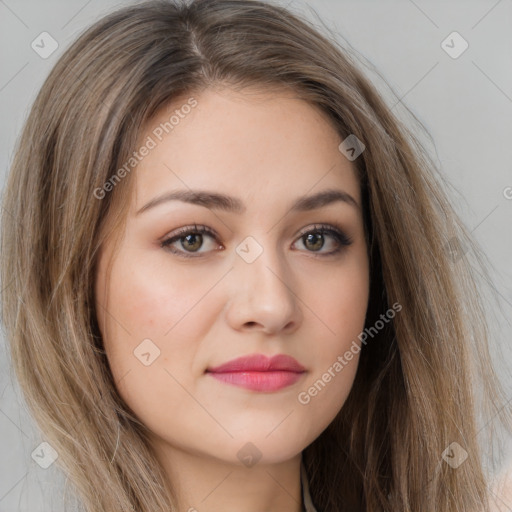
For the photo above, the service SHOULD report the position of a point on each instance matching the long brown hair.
(413, 394)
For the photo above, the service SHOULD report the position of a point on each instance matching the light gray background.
(465, 103)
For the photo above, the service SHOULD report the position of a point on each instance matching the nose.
(263, 297)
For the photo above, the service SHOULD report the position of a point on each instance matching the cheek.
(342, 310)
(151, 331)
(342, 302)
(152, 299)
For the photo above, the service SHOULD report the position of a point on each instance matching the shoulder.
(501, 491)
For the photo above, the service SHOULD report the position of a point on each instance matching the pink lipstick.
(258, 372)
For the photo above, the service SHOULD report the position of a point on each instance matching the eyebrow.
(218, 201)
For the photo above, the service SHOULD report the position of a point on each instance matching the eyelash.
(336, 232)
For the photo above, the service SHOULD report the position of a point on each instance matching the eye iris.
(318, 237)
(198, 238)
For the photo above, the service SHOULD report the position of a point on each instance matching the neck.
(206, 484)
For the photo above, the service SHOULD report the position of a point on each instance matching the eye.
(314, 239)
(191, 240)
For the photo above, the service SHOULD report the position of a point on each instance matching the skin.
(267, 149)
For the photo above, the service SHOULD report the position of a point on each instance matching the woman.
(180, 343)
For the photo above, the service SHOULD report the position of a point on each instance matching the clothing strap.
(307, 503)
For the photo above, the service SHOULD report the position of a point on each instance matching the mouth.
(259, 373)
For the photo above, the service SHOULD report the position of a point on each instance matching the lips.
(259, 363)
(259, 373)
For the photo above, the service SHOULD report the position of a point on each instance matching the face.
(201, 281)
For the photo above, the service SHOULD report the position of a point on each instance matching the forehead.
(250, 143)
